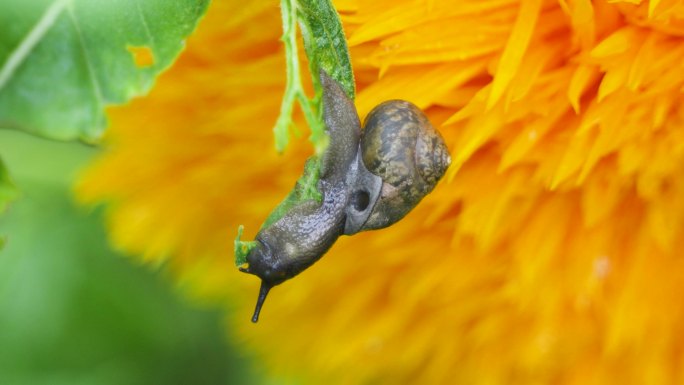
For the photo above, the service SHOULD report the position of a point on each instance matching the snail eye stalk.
(263, 292)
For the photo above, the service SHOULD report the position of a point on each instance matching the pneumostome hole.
(360, 200)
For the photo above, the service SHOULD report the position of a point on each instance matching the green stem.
(293, 88)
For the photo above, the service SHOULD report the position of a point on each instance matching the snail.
(367, 181)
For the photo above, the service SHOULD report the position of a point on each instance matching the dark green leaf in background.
(7, 189)
(7, 193)
(63, 61)
(73, 312)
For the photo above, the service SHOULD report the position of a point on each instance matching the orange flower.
(550, 253)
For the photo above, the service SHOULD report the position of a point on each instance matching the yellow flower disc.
(551, 252)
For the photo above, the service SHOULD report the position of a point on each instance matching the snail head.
(263, 262)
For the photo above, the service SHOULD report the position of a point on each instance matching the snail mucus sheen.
(367, 180)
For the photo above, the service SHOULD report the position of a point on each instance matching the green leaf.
(242, 248)
(325, 43)
(7, 189)
(63, 61)
(326, 48)
(8, 192)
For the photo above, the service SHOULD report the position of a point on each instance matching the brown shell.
(401, 146)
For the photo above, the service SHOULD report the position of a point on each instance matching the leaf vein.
(95, 85)
(24, 49)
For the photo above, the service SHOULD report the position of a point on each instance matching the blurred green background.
(72, 311)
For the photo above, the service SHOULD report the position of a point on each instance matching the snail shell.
(408, 156)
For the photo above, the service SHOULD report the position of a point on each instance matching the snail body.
(367, 181)
(309, 228)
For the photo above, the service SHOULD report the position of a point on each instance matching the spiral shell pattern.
(401, 146)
